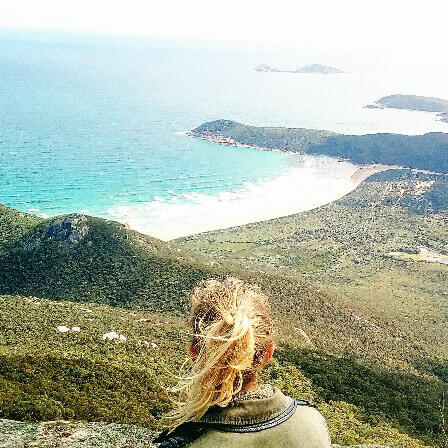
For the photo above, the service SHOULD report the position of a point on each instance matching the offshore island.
(312, 68)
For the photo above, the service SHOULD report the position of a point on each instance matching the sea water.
(96, 126)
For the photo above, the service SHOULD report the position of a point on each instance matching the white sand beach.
(312, 182)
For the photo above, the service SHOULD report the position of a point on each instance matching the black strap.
(182, 435)
(185, 433)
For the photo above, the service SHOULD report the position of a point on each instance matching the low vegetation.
(426, 152)
(360, 332)
(49, 374)
(13, 224)
(93, 260)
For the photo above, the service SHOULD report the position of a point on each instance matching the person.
(221, 402)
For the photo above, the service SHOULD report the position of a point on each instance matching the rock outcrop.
(70, 229)
(63, 434)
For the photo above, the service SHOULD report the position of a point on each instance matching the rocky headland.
(413, 102)
(423, 152)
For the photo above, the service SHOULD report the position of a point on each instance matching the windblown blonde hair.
(232, 328)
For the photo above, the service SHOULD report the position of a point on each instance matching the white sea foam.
(315, 181)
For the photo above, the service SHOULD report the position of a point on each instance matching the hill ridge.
(425, 152)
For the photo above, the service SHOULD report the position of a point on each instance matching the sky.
(363, 25)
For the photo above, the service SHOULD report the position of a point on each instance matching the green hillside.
(374, 379)
(344, 249)
(86, 259)
(46, 374)
(13, 224)
(426, 152)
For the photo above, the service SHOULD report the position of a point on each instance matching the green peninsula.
(415, 102)
(424, 152)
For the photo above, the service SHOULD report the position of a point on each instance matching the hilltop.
(86, 259)
(425, 152)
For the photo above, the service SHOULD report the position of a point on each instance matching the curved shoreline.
(323, 177)
(317, 181)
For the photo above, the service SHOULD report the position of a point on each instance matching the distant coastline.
(428, 152)
(413, 102)
(363, 171)
(341, 164)
(312, 68)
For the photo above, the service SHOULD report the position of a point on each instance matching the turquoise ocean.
(95, 125)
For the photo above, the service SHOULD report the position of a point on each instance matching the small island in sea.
(413, 102)
(312, 68)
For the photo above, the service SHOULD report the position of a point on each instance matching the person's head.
(232, 341)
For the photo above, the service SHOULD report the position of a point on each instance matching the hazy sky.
(381, 25)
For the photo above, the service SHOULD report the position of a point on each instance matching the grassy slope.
(47, 375)
(343, 249)
(110, 264)
(80, 376)
(13, 224)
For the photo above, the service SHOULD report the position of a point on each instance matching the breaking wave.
(315, 181)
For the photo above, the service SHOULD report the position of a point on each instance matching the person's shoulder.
(310, 414)
(311, 425)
